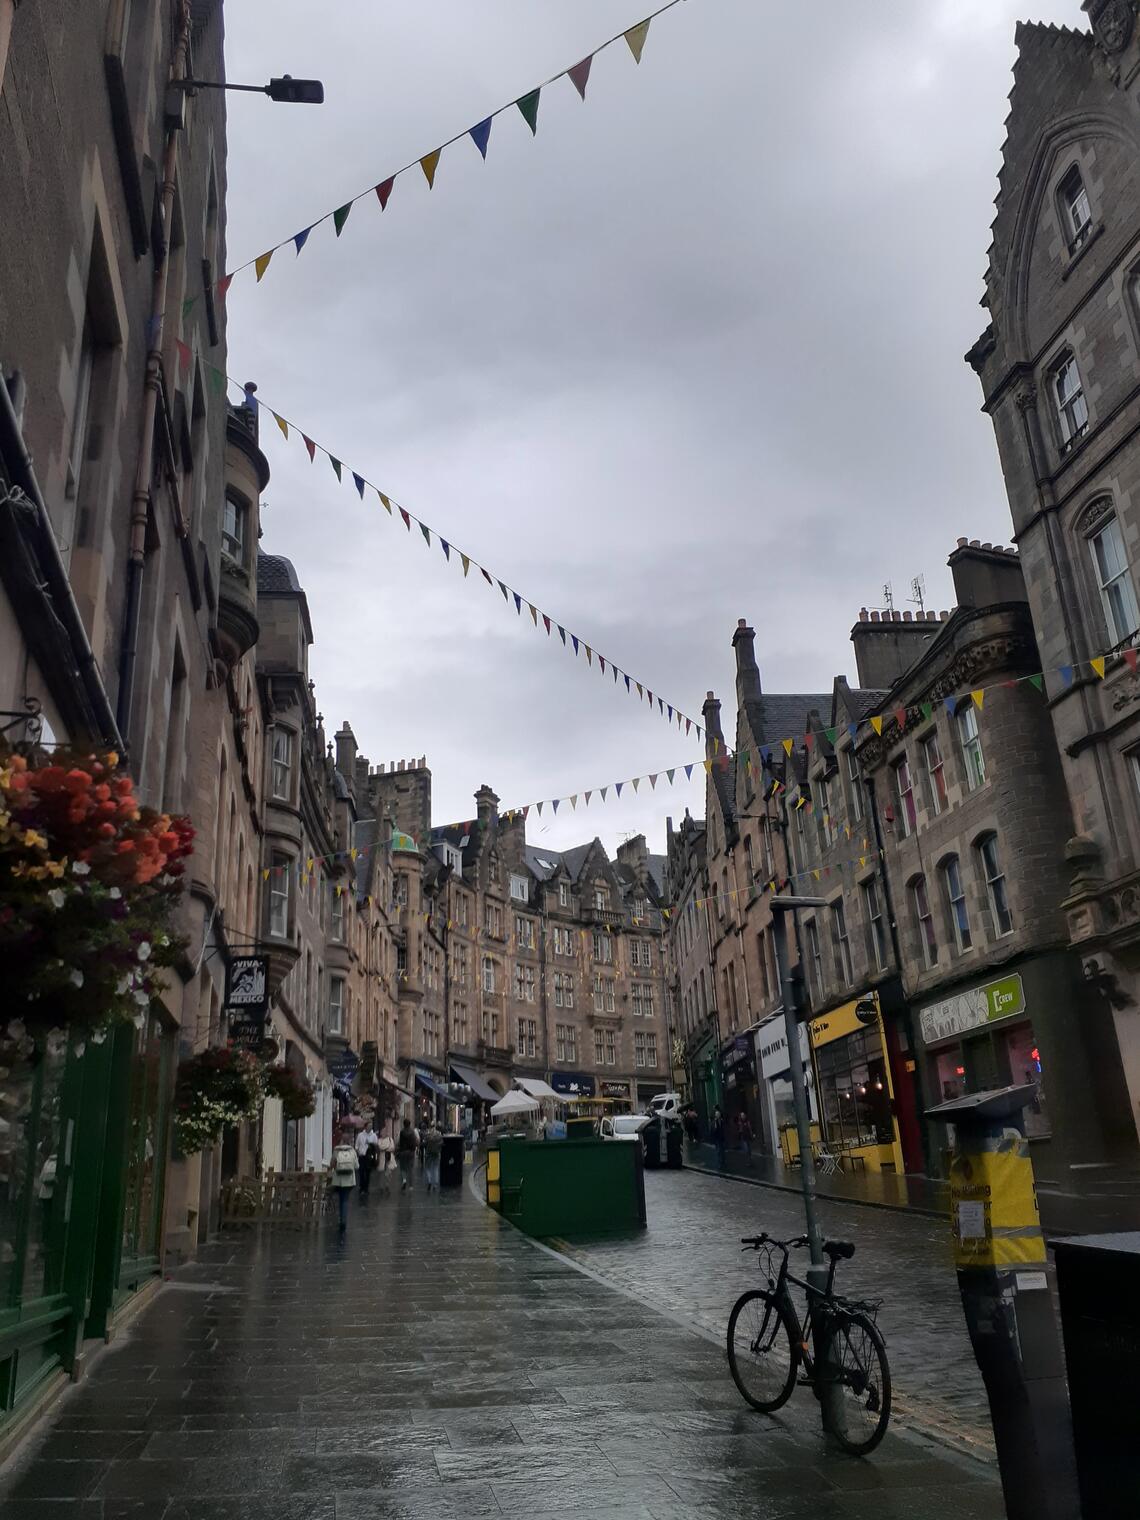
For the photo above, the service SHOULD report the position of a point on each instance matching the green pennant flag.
(927, 709)
(528, 105)
(829, 735)
(426, 531)
(188, 306)
(1038, 682)
(336, 466)
(217, 380)
(340, 217)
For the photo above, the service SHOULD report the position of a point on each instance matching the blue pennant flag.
(358, 482)
(518, 603)
(301, 239)
(670, 714)
(1067, 674)
(618, 786)
(574, 641)
(446, 547)
(562, 633)
(555, 803)
(765, 753)
(627, 683)
(950, 703)
(852, 730)
(479, 135)
(688, 773)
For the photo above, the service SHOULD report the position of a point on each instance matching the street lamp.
(290, 91)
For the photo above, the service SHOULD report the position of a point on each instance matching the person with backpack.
(433, 1149)
(343, 1171)
(368, 1154)
(406, 1146)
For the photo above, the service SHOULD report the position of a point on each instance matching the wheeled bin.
(451, 1162)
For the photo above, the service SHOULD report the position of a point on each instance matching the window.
(611, 1047)
(935, 773)
(233, 528)
(401, 959)
(956, 903)
(603, 994)
(1069, 398)
(400, 889)
(841, 944)
(639, 1047)
(640, 907)
(524, 931)
(641, 1000)
(518, 888)
(459, 1023)
(490, 1027)
(566, 1037)
(650, 1049)
(923, 921)
(462, 965)
(563, 990)
(280, 888)
(528, 1032)
(599, 1048)
(524, 984)
(995, 886)
(1114, 581)
(641, 953)
(563, 894)
(493, 920)
(762, 957)
(876, 929)
(563, 941)
(461, 909)
(603, 947)
(854, 785)
(493, 871)
(282, 762)
(971, 741)
(1075, 208)
(337, 906)
(904, 786)
(336, 1005)
(815, 959)
(601, 899)
(488, 974)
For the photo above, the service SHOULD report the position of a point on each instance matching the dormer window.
(1069, 397)
(1075, 208)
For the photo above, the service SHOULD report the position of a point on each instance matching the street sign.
(247, 999)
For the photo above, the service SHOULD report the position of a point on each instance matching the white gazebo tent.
(535, 1087)
(514, 1105)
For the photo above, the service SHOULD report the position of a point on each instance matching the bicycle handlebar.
(754, 1242)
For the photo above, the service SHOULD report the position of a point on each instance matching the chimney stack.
(747, 670)
(714, 739)
(486, 804)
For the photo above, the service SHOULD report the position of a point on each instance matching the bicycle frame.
(814, 1298)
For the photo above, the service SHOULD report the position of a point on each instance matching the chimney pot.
(709, 697)
(975, 543)
(987, 546)
(874, 617)
(962, 542)
(906, 617)
(742, 622)
(943, 617)
(862, 614)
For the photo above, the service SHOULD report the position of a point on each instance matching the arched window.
(923, 920)
(1111, 571)
(955, 895)
(1069, 401)
(996, 895)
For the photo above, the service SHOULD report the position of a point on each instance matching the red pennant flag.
(184, 354)
(579, 74)
(602, 663)
(546, 622)
(223, 286)
(900, 716)
(407, 520)
(809, 741)
(383, 191)
(1130, 656)
(311, 446)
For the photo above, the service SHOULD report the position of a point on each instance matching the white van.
(665, 1104)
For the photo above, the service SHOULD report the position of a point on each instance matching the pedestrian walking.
(386, 1164)
(368, 1156)
(433, 1148)
(744, 1130)
(720, 1136)
(406, 1146)
(343, 1170)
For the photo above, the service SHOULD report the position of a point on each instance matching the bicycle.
(767, 1344)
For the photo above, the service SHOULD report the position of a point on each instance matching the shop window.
(1024, 1059)
(853, 1091)
(996, 894)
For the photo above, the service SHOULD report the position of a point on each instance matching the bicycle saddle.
(839, 1250)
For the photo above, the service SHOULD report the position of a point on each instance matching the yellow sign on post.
(993, 1205)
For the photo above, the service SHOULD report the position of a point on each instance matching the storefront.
(855, 1092)
(739, 1085)
(777, 1108)
(983, 1037)
(573, 1084)
(619, 1095)
(706, 1081)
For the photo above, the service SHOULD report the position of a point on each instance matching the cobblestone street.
(690, 1263)
(438, 1364)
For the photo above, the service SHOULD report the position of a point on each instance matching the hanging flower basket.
(89, 882)
(217, 1088)
(298, 1101)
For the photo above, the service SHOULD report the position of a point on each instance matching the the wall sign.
(247, 999)
(965, 1011)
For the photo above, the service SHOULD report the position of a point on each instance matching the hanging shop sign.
(247, 999)
(572, 1084)
(974, 1009)
(772, 1047)
(615, 1089)
(344, 1065)
(739, 1062)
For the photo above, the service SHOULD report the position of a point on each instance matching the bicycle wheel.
(763, 1350)
(854, 1356)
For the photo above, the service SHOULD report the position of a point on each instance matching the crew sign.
(965, 1011)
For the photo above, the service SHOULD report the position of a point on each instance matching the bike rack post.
(1004, 1280)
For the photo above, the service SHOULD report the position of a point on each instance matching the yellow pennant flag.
(589, 653)
(466, 564)
(636, 38)
(387, 505)
(816, 875)
(978, 697)
(877, 725)
(862, 860)
(309, 865)
(265, 875)
(716, 746)
(1097, 665)
(282, 424)
(533, 613)
(353, 853)
(260, 265)
(574, 801)
(708, 767)
(428, 163)
(787, 743)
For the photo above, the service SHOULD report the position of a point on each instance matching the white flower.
(142, 999)
(75, 977)
(80, 868)
(126, 982)
(56, 897)
(144, 951)
(114, 894)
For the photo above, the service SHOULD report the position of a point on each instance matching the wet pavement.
(438, 1364)
(689, 1263)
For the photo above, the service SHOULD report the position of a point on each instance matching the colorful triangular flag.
(429, 163)
(337, 466)
(466, 562)
(358, 482)
(1098, 665)
(384, 190)
(426, 531)
(479, 135)
(579, 74)
(877, 724)
(340, 216)
(446, 547)
(282, 424)
(261, 264)
(528, 105)
(635, 37)
(1039, 681)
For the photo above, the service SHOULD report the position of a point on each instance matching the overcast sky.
(692, 354)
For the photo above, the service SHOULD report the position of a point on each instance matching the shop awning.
(478, 1085)
(433, 1086)
(536, 1087)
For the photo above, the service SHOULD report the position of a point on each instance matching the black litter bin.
(674, 1137)
(451, 1162)
(651, 1134)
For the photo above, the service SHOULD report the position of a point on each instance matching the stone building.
(1059, 365)
(693, 1013)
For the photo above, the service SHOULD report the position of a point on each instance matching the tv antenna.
(918, 593)
(888, 596)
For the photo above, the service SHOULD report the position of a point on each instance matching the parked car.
(623, 1127)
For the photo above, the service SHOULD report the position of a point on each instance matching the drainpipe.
(140, 500)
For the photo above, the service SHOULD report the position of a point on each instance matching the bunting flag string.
(361, 484)
(527, 106)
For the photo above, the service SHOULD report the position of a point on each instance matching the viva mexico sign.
(964, 1011)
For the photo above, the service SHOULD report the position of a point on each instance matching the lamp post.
(287, 90)
(817, 1272)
